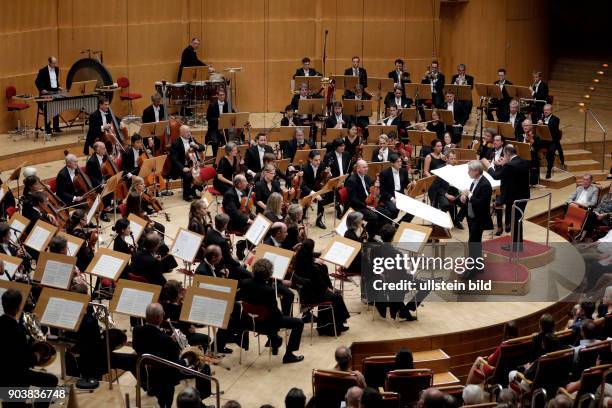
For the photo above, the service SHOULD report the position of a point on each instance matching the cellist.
(130, 157)
(94, 171)
(64, 180)
(392, 179)
(232, 201)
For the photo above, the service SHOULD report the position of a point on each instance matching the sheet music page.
(19, 226)
(256, 231)
(62, 312)
(422, 210)
(411, 240)
(72, 248)
(186, 246)
(339, 253)
(342, 228)
(216, 288)
(37, 238)
(279, 264)
(457, 176)
(107, 266)
(207, 311)
(11, 268)
(136, 229)
(134, 301)
(56, 274)
(92, 210)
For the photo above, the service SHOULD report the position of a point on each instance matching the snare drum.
(178, 91)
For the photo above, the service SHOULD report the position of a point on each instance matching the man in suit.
(356, 70)
(217, 236)
(98, 121)
(48, 82)
(297, 143)
(500, 105)
(513, 172)
(181, 166)
(460, 115)
(189, 58)
(239, 221)
(461, 78)
(311, 173)
(151, 339)
(145, 262)
(254, 156)
(383, 151)
(214, 136)
(553, 123)
(516, 118)
(398, 99)
(18, 356)
(393, 119)
(276, 236)
(338, 162)
(93, 169)
(358, 185)
(478, 201)
(305, 70)
(392, 179)
(362, 121)
(399, 75)
(154, 112)
(64, 182)
(129, 157)
(585, 195)
(539, 90)
(338, 120)
(259, 291)
(436, 80)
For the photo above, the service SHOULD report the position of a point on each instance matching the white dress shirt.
(104, 123)
(220, 106)
(355, 71)
(389, 121)
(340, 166)
(546, 119)
(398, 102)
(501, 84)
(512, 119)
(396, 179)
(383, 156)
(156, 112)
(185, 144)
(71, 173)
(52, 77)
(261, 151)
(583, 197)
(363, 183)
(100, 159)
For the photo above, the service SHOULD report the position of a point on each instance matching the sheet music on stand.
(55, 270)
(346, 82)
(186, 245)
(18, 224)
(207, 307)
(74, 243)
(312, 82)
(132, 298)
(137, 226)
(310, 107)
(411, 237)
(40, 235)
(258, 229)
(11, 265)
(341, 251)
(153, 128)
(342, 228)
(61, 309)
(94, 209)
(421, 210)
(222, 285)
(280, 258)
(108, 264)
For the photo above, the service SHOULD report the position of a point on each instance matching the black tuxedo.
(555, 144)
(404, 102)
(65, 187)
(231, 206)
(377, 159)
(459, 113)
(479, 218)
(179, 159)
(189, 58)
(541, 94)
(502, 105)
(514, 177)
(357, 197)
(148, 114)
(309, 179)
(43, 80)
(437, 96)
(518, 124)
(251, 158)
(387, 185)
(404, 79)
(332, 121)
(94, 170)
(363, 75)
(300, 72)
(94, 131)
(128, 163)
(213, 113)
(332, 161)
(146, 265)
(295, 120)
(214, 237)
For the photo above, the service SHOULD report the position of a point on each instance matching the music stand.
(74, 243)
(357, 107)
(15, 174)
(196, 73)
(331, 185)
(421, 137)
(301, 156)
(523, 149)
(137, 226)
(280, 258)
(111, 184)
(282, 165)
(408, 114)
(334, 133)
(186, 245)
(18, 223)
(258, 229)
(108, 264)
(543, 131)
(488, 91)
(465, 155)
(341, 251)
(310, 107)
(312, 82)
(82, 88)
(421, 186)
(132, 298)
(24, 288)
(234, 120)
(446, 116)
(221, 152)
(412, 237)
(55, 270)
(40, 235)
(378, 87)
(375, 131)
(153, 128)
(506, 130)
(374, 168)
(342, 228)
(11, 264)
(61, 309)
(461, 92)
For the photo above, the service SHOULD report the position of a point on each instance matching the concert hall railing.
(182, 369)
(604, 132)
(515, 208)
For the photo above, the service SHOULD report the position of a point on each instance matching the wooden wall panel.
(143, 39)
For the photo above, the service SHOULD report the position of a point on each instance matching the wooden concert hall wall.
(143, 40)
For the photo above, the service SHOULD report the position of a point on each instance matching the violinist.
(352, 140)
(266, 186)
(254, 157)
(290, 119)
(197, 217)
(214, 136)
(217, 235)
(358, 185)
(392, 179)
(485, 151)
(139, 203)
(239, 220)
(435, 159)
(10, 248)
(35, 208)
(313, 174)
(146, 262)
(382, 154)
(130, 157)
(180, 151)
(77, 226)
(299, 142)
(338, 120)
(93, 168)
(124, 240)
(355, 232)
(274, 207)
(65, 182)
(296, 230)
(228, 166)
(99, 122)
(435, 125)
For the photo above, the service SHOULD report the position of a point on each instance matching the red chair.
(329, 387)
(137, 278)
(409, 384)
(13, 105)
(10, 211)
(254, 315)
(52, 183)
(124, 83)
(343, 195)
(207, 174)
(570, 226)
(123, 210)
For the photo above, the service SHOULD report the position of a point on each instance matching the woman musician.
(355, 232)
(124, 241)
(296, 230)
(352, 140)
(10, 248)
(266, 186)
(228, 166)
(198, 221)
(274, 207)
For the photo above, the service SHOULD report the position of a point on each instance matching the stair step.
(558, 179)
(582, 165)
(446, 378)
(437, 360)
(598, 175)
(577, 154)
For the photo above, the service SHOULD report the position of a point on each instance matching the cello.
(155, 179)
(109, 169)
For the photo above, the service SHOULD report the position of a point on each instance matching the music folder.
(186, 244)
(234, 120)
(107, 263)
(346, 82)
(380, 86)
(40, 235)
(341, 251)
(153, 128)
(258, 229)
(357, 107)
(18, 223)
(411, 237)
(310, 106)
(280, 258)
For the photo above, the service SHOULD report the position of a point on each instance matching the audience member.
(344, 362)
(472, 394)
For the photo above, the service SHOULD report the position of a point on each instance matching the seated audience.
(586, 194)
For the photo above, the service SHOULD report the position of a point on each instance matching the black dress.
(436, 163)
(315, 289)
(227, 170)
(439, 128)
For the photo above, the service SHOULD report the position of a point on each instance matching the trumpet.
(430, 75)
(461, 80)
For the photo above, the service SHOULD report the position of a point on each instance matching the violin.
(155, 204)
(374, 196)
(322, 177)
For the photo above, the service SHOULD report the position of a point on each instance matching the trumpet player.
(16, 352)
(435, 79)
(539, 90)
(501, 106)
(461, 78)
